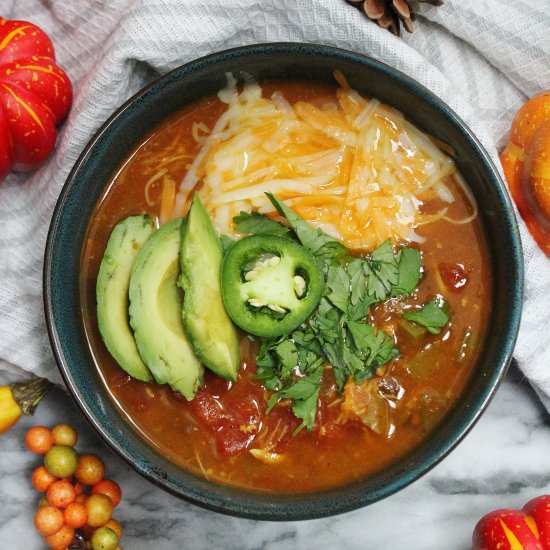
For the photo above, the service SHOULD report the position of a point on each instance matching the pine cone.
(389, 14)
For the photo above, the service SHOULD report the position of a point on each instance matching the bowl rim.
(284, 509)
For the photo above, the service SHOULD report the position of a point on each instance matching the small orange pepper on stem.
(20, 398)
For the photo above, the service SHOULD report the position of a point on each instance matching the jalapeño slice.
(270, 284)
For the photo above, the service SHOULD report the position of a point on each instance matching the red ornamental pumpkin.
(35, 95)
(526, 529)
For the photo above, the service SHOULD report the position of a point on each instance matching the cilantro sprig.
(325, 248)
(254, 223)
(337, 333)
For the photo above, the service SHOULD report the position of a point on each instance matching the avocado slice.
(113, 280)
(155, 313)
(210, 328)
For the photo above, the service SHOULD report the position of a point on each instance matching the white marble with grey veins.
(503, 462)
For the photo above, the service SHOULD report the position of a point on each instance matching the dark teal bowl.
(123, 131)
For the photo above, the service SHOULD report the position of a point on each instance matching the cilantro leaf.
(374, 348)
(267, 364)
(304, 392)
(254, 223)
(304, 387)
(328, 325)
(308, 347)
(383, 265)
(434, 315)
(288, 356)
(375, 286)
(384, 253)
(306, 409)
(410, 271)
(363, 334)
(315, 240)
(266, 373)
(360, 300)
(361, 309)
(358, 281)
(382, 350)
(279, 359)
(338, 287)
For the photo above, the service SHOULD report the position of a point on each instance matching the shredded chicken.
(363, 402)
(267, 457)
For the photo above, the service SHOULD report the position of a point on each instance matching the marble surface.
(503, 462)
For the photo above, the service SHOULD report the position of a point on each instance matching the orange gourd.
(35, 95)
(526, 164)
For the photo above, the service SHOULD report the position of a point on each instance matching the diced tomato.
(454, 276)
(232, 413)
(231, 440)
(281, 424)
(207, 408)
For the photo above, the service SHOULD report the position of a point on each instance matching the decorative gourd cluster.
(35, 96)
(76, 495)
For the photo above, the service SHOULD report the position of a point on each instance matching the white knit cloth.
(483, 57)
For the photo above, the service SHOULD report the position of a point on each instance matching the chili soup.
(355, 169)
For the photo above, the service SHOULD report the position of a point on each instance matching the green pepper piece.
(270, 284)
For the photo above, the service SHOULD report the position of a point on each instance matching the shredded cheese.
(353, 167)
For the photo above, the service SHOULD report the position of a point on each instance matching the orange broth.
(212, 435)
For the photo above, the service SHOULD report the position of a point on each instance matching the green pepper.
(270, 284)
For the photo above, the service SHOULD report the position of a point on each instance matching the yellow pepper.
(20, 398)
